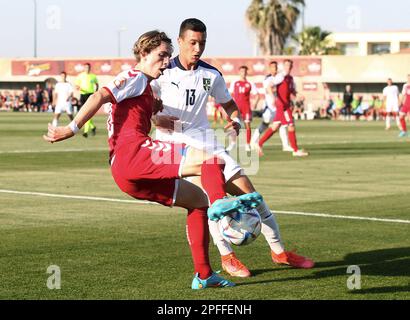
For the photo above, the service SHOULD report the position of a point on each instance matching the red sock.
(248, 135)
(213, 179)
(292, 140)
(269, 133)
(198, 239)
(403, 124)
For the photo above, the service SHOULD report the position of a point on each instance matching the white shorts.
(392, 108)
(66, 107)
(203, 140)
(268, 115)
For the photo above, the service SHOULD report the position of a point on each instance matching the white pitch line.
(320, 215)
(52, 151)
(325, 215)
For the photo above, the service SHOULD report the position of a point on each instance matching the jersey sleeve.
(385, 92)
(156, 87)
(128, 84)
(220, 91)
(403, 91)
(278, 79)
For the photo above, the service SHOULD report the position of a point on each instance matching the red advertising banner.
(36, 68)
(260, 66)
(302, 66)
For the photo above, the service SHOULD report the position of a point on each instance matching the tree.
(274, 22)
(313, 41)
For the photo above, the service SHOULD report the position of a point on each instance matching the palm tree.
(274, 22)
(313, 41)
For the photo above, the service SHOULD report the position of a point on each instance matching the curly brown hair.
(148, 42)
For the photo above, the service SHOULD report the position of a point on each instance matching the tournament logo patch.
(119, 83)
(207, 84)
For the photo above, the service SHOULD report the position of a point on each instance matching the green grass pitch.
(114, 250)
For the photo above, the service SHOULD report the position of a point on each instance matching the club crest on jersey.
(207, 84)
(119, 83)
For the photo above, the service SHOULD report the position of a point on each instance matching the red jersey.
(129, 118)
(406, 95)
(241, 92)
(284, 91)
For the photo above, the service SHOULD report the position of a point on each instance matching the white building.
(368, 43)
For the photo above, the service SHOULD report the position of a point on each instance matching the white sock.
(223, 246)
(270, 228)
(255, 137)
(55, 123)
(398, 123)
(388, 119)
(283, 133)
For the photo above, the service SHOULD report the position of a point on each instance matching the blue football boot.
(222, 207)
(214, 281)
(403, 134)
(251, 200)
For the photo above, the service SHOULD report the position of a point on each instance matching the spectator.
(299, 108)
(26, 99)
(39, 98)
(49, 94)
(76, 104)
(347, 102)
(356, 107)
(325, 110)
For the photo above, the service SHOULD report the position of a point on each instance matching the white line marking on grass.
(52, 151)
(325, 215)
(320, 215)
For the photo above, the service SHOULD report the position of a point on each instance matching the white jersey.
(270, 82)
(185, 93)
(392, 98)
(63, 91)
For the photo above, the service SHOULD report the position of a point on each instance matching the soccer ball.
(241, 228)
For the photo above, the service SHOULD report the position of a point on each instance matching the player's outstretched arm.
(233, 113)
(89, 109)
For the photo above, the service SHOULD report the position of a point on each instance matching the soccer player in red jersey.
(405, 108)
(151, 170)
(285, 91)
(241, 91)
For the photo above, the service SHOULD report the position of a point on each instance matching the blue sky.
(89, 28)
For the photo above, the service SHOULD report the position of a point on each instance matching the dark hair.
(192, 24)
(87, 64)
(273, 62)
(148, 42)
(288, 60)
(243, 67)
(64, 73)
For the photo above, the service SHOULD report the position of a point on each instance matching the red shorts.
(149, 171)
(247, 115)
(405, 108)
(285, 117)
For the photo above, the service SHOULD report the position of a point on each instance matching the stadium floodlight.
(122, 29)
(35, 28)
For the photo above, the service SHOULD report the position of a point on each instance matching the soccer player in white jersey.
(391, 102)
(270, 110)
(63, 93)
(184, 89)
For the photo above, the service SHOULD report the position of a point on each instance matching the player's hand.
(158, 106)
(165, 122)
(56, 134)
(233, 127)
